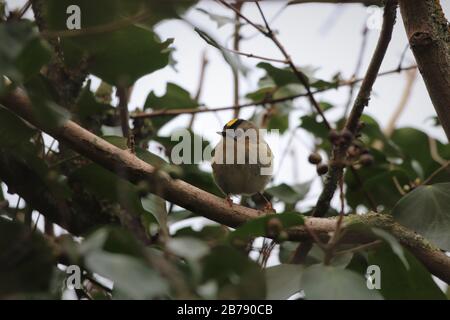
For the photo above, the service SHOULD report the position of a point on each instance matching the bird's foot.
(229, 200)
(268, 208)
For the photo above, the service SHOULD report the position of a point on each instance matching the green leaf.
(116, 43)
(290, 194)
(426, 210)
(314, 125)
(316, 255)
(283, 281)
(108, 186)
(22, 52)
(174, 98)
(113, 240)
(236, 276)
(43, 97)
(415, 146)
(393, 243)
(232, 59)
(398, 282)
(209, 233)
(13, 130)
(261, 93)
(26, 262)
(88, 106)
(132, 278)
(280, 77)
(259, 227)
(157, 207)
(187, 247)
(201, 179)
(322, 282)
(377, 181)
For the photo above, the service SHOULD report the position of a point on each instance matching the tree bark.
(428, 33)
(212, 207)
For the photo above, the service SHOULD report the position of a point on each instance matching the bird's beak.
(221, 133)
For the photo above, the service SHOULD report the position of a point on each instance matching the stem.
(123, 95)
(362, 100)
(236, 40)
(172, 111)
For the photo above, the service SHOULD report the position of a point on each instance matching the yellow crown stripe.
(231, 122)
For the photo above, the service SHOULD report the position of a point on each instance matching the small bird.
(242, 161)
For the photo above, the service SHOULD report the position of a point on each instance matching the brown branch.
(77, 215)
(201, 81)
(123, 95)
(428, 32)
(212, 207)
(255, 56)
(362, 100)
(263, 102)
(236, 42)
(411, 78)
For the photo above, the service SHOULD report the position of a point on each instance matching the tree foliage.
(403, 175)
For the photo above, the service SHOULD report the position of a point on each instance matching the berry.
(347, 135)
(322, 169)
(334, 136)
(315, 158)
(353, 151)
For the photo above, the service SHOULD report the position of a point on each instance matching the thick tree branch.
(210, 206)
(78, 216)
(428, 32)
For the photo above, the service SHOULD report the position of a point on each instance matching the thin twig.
(402, 57)
(171, 111)
(357, 68)
(271, 35)
(339, 152)
(200, 86)
(362, 247)
(24, 9)
(436, 172)
(362, 100)
(236, 42)
(123, 95)
(369, 197)
(411, 77)
(434, 151)
(251, 55)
